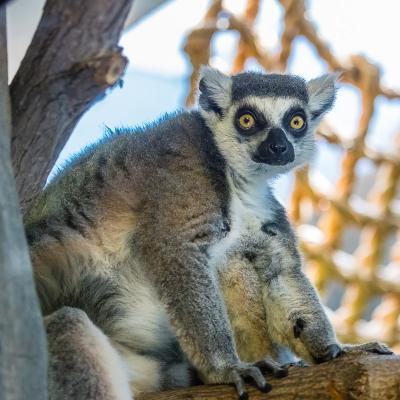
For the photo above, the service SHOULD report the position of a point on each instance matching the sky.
(156, 80)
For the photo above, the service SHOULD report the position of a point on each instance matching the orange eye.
(246, 121)
(297, 122)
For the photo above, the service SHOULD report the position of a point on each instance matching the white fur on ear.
(322, 93)
(214, 89)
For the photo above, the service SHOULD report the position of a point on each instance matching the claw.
(258, 378)
(266, 388)
(255, 374)
(239, 384)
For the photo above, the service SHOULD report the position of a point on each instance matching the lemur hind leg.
(83, 365)
(242, 292)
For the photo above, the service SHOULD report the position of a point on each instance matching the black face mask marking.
(260, 122)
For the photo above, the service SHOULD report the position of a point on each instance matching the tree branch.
(352, 376)
(23, 355)
(72, 60)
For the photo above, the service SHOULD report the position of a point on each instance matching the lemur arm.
(295, 316)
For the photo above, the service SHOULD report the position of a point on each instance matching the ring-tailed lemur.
(159, 233)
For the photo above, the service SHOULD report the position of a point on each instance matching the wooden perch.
(352, 376)
(72, 59)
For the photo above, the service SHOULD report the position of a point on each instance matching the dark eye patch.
(260, 120)
(297, 133)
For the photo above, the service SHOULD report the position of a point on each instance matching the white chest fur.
(248, 210)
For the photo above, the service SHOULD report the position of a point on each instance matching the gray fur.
(215, 90)
(322, 92)
(268, 85)
(82, 363)
(144, 231)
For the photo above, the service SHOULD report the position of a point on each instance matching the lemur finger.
(239, 384)
(258, 378)
(381, 349)
(271, 367)
(331, 352)
(372, 347)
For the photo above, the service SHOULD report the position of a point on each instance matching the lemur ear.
(214, 90)
(322, 93)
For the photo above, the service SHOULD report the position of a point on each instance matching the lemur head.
(264, 123)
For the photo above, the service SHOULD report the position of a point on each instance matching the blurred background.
(346, 205)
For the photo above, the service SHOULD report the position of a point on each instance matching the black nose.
(277, 142)
(277, 148)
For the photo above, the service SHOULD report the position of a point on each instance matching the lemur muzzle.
(275, 149)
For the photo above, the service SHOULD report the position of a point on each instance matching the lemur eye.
(297, 122)
(246, 121)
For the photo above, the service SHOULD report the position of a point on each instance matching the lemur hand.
(236, 373)
(371, 347)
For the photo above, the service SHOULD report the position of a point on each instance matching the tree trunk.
(23, 355)
(362, 376)
(72, 59)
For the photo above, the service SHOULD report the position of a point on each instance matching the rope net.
(364, 283)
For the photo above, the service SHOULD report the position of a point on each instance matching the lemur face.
(264, 123)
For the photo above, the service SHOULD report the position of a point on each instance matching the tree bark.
(362, 376)
(23, 355)
(72, 59)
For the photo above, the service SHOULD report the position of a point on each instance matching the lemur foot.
(236, 375)
(269, 366)
(371, 347)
